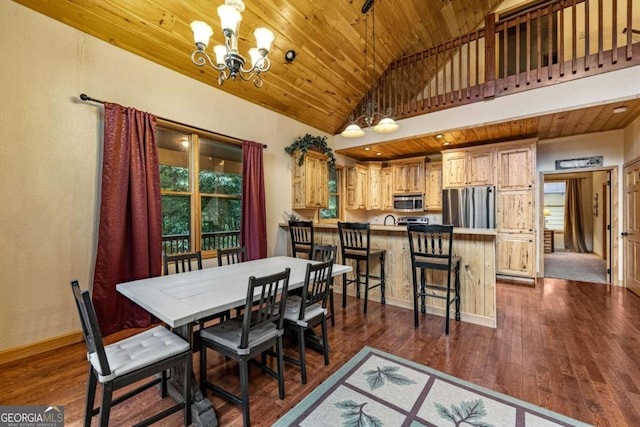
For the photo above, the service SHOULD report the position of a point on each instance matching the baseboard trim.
(27, 350)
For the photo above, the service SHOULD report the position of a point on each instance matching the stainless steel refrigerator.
(469, 207)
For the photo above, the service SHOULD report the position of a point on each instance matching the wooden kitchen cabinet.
(357, 187)
(433, 186)
(514, 211)
(310, 181)
(515, 208)
(408, 175)
(516, 167)
(468, 167)
(374, 199)
(515, 254)
(386, 188)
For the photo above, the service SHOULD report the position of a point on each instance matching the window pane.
(173, 153)
(176, 223)
(220, 222)
(333, 181)
(220, 168)
(332, 211)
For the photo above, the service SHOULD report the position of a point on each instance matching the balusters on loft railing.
(534, 48)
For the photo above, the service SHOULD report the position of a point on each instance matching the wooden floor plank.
(568, 346)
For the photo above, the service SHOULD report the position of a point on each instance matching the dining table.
(180, 300)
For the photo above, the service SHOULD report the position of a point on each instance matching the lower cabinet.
(516, 254)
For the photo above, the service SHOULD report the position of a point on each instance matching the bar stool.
(301, 238)
(431, 249)
(355, 245)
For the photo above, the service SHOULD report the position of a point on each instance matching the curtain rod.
(86, 97)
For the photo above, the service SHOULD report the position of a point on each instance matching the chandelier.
(228, 61)
(369, 109)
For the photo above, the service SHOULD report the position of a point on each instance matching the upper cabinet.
(310, 181)
(357, 187)
(433, 186)
(374, 200)
(466, 167)
(408, 175)
(516, 167)
(386, 188)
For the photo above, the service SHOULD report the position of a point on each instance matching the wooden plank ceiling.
(327, 79)
(562, 124)
(325, 82)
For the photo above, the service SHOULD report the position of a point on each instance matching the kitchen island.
(475, 246)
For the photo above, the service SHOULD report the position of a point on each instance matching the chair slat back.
(301, 233)
(317, 283)
(354, 236)
(324, 253)
(265, 303)
(182, 263)
(430, 245)
(90, 327)
(228, 256)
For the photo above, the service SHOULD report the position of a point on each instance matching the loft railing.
(180, 243)
(557, 41)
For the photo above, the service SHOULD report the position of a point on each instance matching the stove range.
(404, 220)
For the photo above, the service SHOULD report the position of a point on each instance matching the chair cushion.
(229, 333)
(139, 351)
(292, 311)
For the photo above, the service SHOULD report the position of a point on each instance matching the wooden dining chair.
(355, 245)
(180, 263)
(301, 233)
(128, 361)
(256, 332)
(308, 310)
(228, 256)
(327, 253)
(431, 249)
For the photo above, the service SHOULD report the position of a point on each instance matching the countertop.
(403, 228)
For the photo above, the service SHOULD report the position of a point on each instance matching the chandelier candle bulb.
(201, 33)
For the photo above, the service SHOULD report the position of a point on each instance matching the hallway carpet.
(575, 266)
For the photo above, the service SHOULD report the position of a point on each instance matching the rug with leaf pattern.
(379, 389)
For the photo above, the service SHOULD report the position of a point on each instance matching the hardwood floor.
(571, 347)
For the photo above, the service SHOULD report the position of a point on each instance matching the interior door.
(631, 233)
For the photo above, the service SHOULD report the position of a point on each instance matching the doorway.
(577, 222)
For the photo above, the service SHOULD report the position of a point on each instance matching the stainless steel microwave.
(408, 203)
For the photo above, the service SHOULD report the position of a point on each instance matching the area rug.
(577, 267)
(379, 389)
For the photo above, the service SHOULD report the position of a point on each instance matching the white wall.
(50, 155)
(609, 144)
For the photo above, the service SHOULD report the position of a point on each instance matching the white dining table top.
(180, 299)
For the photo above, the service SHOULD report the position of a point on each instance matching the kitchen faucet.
(392, 217)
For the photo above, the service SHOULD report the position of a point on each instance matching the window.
(554, 201)
(333, 212)
(205, 204)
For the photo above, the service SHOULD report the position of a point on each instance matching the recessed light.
(378, 154)
(621, 109)
(446, 143)
(439, 136)
(367, 148)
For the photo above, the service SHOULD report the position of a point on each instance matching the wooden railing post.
(490, 56)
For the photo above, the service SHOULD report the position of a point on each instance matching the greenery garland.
(314, 143)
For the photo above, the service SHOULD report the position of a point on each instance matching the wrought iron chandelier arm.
(201, 58)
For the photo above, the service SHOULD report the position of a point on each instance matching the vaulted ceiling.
(326, 80)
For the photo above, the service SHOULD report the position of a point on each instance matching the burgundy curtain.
(253, 228)
(130, 231)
